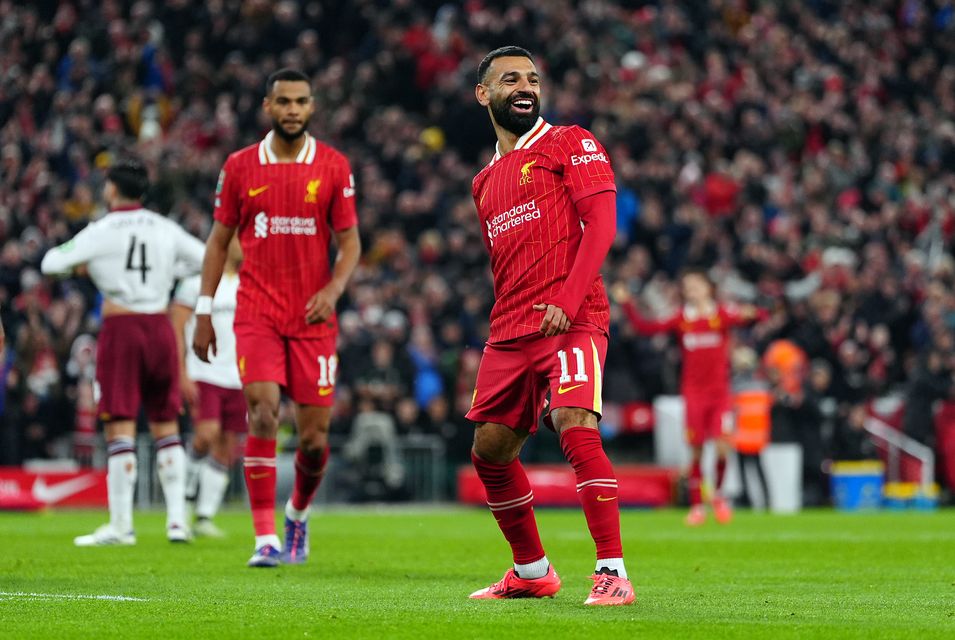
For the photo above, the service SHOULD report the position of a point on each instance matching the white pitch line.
(67, 596)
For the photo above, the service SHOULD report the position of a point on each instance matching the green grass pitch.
(407, 574)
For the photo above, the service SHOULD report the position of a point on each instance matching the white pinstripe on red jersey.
(285, 214)
(525, 201)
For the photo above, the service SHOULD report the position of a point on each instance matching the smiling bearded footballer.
(547, 207)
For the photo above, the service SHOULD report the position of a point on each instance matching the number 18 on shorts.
(305, 367)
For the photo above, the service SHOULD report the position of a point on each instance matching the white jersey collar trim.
(527, 140)
(306, 155)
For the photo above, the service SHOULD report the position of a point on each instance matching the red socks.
(596, 488)
(260, 481)
(694, 483)
(309, 469)
(511, 500)
(720, 472)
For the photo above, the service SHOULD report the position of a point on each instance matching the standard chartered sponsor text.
(292, 225)
(513, 217)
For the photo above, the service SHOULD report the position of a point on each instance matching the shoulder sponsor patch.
(589, 145)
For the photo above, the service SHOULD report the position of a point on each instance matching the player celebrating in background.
(547, 201)
(133, 256)
(703, 329)
(214, 394)
(285, 196)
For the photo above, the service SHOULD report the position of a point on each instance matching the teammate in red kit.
(547, 206)
(703, 328)
(287, 197)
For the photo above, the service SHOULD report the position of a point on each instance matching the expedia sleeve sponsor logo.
(588, 158)
(513, 217)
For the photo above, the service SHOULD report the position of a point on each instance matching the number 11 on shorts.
(581, 375)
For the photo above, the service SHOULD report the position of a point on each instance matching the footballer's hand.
(204, 337)
(321, 306)
(189, 390)
(555, 321)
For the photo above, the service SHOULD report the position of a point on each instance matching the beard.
(516, 123)
(288, 136)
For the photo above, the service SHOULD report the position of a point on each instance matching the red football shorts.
(515, 377)
(305, 367)
(225, 406)
(137, 365)
(708, 417)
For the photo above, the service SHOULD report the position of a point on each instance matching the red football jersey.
(704, 345)
(525, 200)
(285, 213)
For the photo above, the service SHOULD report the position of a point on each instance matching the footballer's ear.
(481, 93)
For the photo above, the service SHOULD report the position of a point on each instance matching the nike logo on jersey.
(325, 391)
(561, 390)
(603, 499)
(51, 494)
(257, 191)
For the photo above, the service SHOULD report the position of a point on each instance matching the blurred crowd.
(802, 150)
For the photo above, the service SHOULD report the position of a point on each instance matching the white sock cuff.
(614, 564)
(533, 570)
(296, 514)
(272, 539)
(122, 444)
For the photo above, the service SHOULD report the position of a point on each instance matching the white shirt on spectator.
(133, 257)
(222, 369)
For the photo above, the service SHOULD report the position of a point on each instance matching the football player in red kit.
(703, 328)
(287, 197)
(547, 206)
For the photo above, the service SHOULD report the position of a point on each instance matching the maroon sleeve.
(598, 213)
(226, 208)
(649, 327)
(342, 214)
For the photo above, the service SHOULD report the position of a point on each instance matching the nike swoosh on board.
(51, 494)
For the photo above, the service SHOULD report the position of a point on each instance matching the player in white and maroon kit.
(547, 206)
(286, 197)
(703, 328)
(213, 392)
(133, 255)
